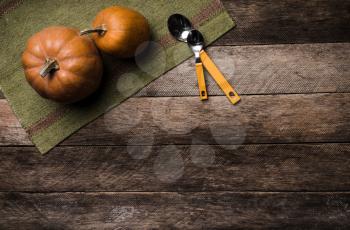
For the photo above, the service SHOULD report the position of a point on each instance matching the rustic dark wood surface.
(174, 210)
(260, 167)
(165, 160)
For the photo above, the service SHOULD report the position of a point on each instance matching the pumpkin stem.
(101, 30)
(50, 65)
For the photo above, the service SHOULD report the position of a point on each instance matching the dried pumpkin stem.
(50, 65)
(101, 30)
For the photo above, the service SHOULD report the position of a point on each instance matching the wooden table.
(165, 160)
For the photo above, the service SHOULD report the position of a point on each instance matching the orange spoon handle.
(225, 86)
(201, 82)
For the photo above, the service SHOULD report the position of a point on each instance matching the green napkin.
(47, 122)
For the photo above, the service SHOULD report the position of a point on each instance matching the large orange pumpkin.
(62, 65)
(119, 31)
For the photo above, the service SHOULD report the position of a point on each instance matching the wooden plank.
(270, 69)
(218, 210)
(295, 167)
(187, 120)
(257, 119)
(11, 131)
(289, 21)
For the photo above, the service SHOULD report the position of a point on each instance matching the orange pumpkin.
(61, 65)
(119, 31)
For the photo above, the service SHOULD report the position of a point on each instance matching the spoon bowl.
(195, 40)
(179, 27)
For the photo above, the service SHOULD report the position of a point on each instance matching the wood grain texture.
(264, 69)
(268, 69)
(295, 167)
(219, 210)
(186, 120)
(257, 119)
(289, 21)
(11, 131)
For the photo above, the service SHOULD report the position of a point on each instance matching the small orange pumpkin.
(61, 65)
(119, 31)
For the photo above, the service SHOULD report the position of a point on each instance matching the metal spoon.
(196, 41)
(180, 27)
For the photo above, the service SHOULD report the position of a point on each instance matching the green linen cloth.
(48, 123)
